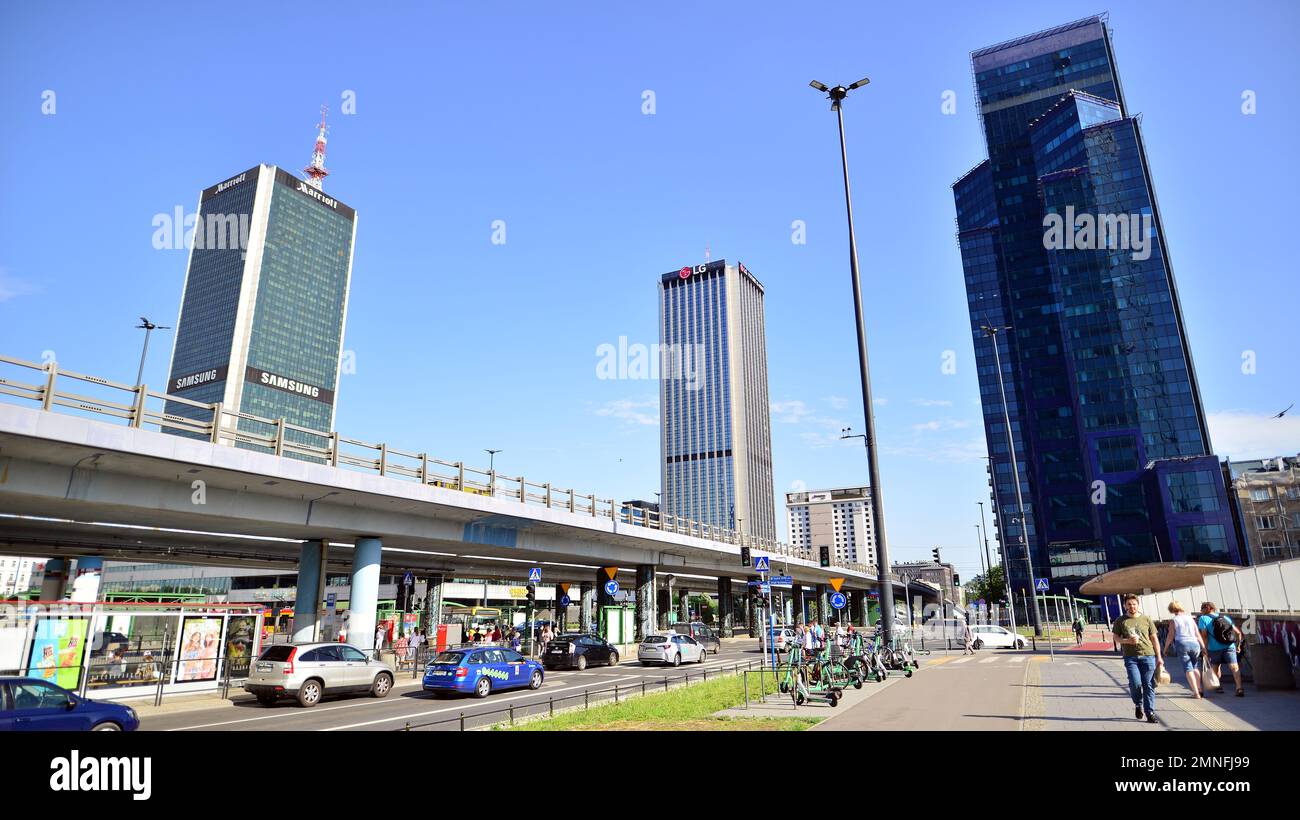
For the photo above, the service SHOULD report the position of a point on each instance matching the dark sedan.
(578, 651)
(33, 705)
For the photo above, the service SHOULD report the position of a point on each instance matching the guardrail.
(137, 406)
(609, 694)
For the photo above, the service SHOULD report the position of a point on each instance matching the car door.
(514, 664)
(42, 707)
(355, 669)
(6, 709)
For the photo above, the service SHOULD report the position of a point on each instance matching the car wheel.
(1020, 644)
(483, 688)
(382, 686)
(107, 726)
(613, 659)
(677, 659)
(978, 644)
(582, 662)
(309, 693)
(703, 654)
(535, 682)
(266, 700)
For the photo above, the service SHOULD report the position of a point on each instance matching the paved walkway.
(1089, 691)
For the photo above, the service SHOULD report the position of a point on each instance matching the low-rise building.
(839, 519)
(1266, 493)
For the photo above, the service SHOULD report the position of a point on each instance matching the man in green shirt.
(1135, 635)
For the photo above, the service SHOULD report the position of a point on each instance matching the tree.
(990, 586)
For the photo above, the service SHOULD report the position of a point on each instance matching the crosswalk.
(950, 662)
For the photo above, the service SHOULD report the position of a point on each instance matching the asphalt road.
(409, 704)
(951, 692)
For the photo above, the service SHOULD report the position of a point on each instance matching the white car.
(671, 649)
(983, 635)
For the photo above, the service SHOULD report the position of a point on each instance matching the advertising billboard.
(57, 651)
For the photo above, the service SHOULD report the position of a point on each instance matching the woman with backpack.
(1222, 637)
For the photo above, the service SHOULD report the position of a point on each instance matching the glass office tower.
(1061, 240)
(262, 315)
(716, 437)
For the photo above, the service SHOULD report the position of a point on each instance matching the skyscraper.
(716, 437)
(262, 315)
(1062, 242)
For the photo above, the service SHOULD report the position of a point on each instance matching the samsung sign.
(288, 385)
(190, 380)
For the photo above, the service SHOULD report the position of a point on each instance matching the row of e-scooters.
(823, 675)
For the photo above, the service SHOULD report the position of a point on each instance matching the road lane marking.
(1018, 659)
(989, 660)
(963, 660)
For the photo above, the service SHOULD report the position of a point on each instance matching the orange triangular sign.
(611, 572)
(836, 583)
(564, 589)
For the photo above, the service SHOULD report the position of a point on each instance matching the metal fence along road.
(139, 407)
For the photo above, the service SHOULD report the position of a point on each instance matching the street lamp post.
(836, 96)
(148, 327)
(992, 332)
(492, 472)
(988, 557)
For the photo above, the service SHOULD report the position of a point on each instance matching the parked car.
(782, 636)
(578, 650)
(983, 635)
(309, 671)
(34, 705)
(480, 671)
(703, 634)
(672, 649)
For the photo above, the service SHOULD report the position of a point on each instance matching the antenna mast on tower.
(316, 172)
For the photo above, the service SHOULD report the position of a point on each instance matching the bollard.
(706, 674)
(408, 726)
(616, 693)
(746, 677)
(550, 706)
(665, 683)
(586, 702)
(462, 721)
(512, 714)
(642, 686)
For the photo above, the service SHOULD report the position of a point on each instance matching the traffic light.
(825, 556)
(744, 556)
(936, 555)
(532, 593)
(956, 580)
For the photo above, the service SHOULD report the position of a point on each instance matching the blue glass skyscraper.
(1062, 242)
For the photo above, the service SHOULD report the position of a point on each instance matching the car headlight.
(132, 713)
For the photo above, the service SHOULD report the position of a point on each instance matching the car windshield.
(448, 657)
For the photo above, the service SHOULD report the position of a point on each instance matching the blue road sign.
(408, 579)
(564, 600)
(781, 581)
(764, 589)
(1041, 585)
(839, 601)
(761, 565)
(611, 587)
(534, 575)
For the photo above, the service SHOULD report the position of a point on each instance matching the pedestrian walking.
(400, 646)
(1078, 631)
(379, 639)
(967, 638)
(1135, 634)
(1222, 637)
(1184, 635)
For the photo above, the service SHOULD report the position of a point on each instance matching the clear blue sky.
(532, 114)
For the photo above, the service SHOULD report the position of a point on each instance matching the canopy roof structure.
(1146, 578)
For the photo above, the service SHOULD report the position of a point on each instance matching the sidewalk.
(1088, 691)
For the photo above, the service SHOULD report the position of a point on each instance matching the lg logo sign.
(686, 272)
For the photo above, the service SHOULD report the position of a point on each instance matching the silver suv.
(308, 671)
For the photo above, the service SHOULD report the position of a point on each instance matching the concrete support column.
(800, 604)
(364, 598)
(859, 604)
(85, 584)
(753, 618)
(311, 584)
(823, 604)
(645, 601)
(726, 608)
(56, 578)
(663, 604)
(588, 597)
(433, 605)
(684, 614)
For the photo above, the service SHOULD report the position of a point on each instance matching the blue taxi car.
(34, 705)
(481, 671)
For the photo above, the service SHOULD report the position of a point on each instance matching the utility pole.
(148, 327)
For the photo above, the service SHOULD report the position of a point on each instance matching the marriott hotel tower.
(266, 294)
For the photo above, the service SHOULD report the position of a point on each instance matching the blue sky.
(533, 114)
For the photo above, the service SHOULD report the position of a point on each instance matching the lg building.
(716, 437)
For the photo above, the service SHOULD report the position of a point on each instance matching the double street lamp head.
(839, 92)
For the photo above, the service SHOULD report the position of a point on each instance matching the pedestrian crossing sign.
(534, 575)
(1041, 585)
(761, 564)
